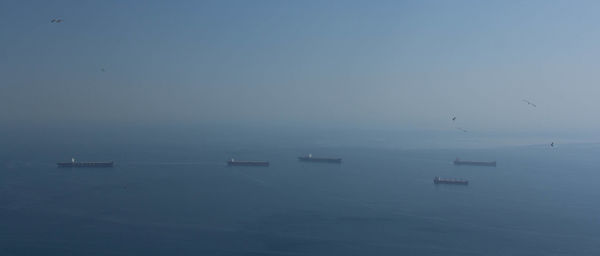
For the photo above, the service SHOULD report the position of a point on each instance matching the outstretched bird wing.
(529, 103)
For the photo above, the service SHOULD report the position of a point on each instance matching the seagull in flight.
(529, 103)
(454, 118)
(56, 21)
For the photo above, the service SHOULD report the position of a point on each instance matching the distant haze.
(395, 64)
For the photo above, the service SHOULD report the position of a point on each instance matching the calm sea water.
(170, 198)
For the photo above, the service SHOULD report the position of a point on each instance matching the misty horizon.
(392, 65)
(269, 127)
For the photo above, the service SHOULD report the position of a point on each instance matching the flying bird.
(552, 144)
(529, 103)
(56, 21)
(454, 118)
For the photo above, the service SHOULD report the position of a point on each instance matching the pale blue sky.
(393, 64)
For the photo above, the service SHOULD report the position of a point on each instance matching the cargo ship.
(234, 162)
(310, 158)
(438, 180)
(74, 163)
(460, 162)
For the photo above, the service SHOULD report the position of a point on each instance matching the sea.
(171, 193)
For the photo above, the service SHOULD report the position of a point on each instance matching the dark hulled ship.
(310, 158)
(74, 163)
(476, 163)
(234, 162)
(438, 180)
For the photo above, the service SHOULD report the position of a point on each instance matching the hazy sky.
(396, 64)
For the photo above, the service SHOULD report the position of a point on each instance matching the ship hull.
(85, 165)
(493, 164)
(247, 163)
(450, 181)
(320, 160)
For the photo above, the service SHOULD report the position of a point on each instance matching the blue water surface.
(180, 198)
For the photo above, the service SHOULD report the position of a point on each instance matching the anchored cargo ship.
(234, 162)
(74, 163)
(460, 162)
(310, 158)
(438, 180)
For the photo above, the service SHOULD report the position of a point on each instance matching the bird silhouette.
(56, 21)
(529, 103)
(552, 144)
(454, 118)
